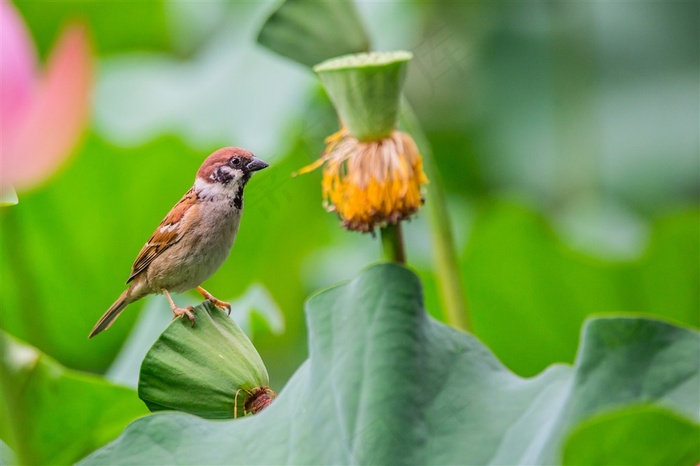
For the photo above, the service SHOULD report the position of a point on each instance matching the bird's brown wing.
(169, 232)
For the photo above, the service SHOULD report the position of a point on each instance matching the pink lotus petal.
(17, 70)
(58, 113)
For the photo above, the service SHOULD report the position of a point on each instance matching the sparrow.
(194, 239)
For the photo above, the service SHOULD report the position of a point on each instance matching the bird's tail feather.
(112, 313)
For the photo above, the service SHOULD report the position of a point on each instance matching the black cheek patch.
(222, 176)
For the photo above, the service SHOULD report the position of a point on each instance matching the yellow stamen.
(331, 141)
(371, 184)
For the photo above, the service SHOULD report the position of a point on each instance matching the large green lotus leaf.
(310, 31)
(387, 384)
(52, 415)
(604, 439)
(525, 285)
(115, 26)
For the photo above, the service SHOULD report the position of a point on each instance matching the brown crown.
(221, 157)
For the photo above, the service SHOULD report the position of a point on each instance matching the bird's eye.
(235, 162)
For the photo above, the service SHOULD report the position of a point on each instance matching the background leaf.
(526, 285)
(51, 415)
(633, 436)
(385, 383)
(312, 31)
(115, 26)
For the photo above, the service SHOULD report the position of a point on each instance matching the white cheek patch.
(208, 190)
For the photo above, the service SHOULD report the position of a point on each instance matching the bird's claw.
(188, 311)
(223, 305)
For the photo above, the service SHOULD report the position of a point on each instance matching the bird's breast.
(202, 250)
(214, 238)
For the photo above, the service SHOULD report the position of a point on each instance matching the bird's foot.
(180, 311)
(223, 305)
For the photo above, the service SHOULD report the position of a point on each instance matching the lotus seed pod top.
(365, 89)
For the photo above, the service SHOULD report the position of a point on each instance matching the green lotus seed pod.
(365, 89)
(210, 369)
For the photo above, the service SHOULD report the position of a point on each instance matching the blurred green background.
(566, 135)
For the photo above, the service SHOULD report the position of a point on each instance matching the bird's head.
(230, 167)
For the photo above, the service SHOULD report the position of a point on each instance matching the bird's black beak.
(255, 165)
